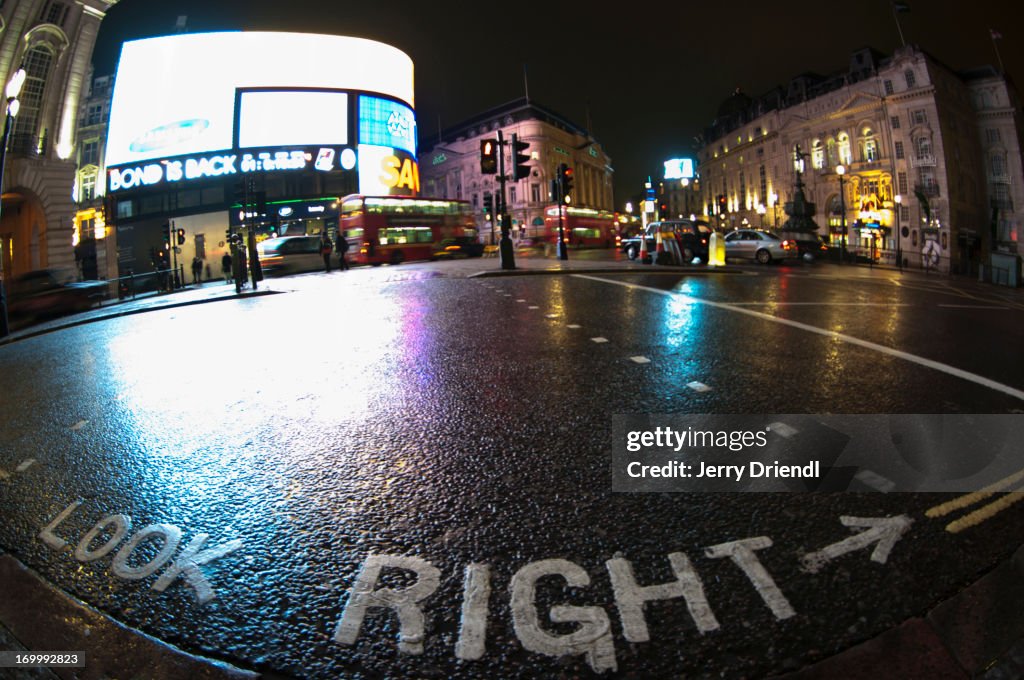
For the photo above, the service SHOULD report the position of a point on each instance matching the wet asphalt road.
(469, 422)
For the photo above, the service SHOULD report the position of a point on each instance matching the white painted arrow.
(884, 531)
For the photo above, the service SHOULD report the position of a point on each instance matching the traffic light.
(722, 205)
(167, 234)
(519, 170)
(488, 157)
(564, 180)
(489, 207)
(181, 237)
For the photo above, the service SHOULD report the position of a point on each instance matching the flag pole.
(896, 18)
(995, 35)
(526, 84)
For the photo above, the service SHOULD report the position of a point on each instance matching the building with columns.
(450, 164)
(909, 155)
(53, 41)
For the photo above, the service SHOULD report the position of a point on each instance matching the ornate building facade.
(450, 164)
(907, 155)
(53, 41)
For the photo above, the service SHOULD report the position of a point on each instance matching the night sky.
(650, 75)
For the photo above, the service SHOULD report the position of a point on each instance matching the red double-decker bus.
(394, 229)
(582, 227)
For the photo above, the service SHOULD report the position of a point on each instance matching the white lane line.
(822, 304)
(80, 424)
(640, 360)
(25, 464)
(573, 325)
(551, 316)
(698, 386)
(783, 430)
(899, 354)
(533, 307)
(875, 481)
(599, 339)
(972, 307)
(520, 300)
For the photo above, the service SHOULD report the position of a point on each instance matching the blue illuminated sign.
(384, 122)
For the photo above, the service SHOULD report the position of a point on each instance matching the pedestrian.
(225, 265)
(325, 250)
(342, 250)
(197, 270)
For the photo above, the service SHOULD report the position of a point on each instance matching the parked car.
(762, 246)
(40, 294)
(810, 246)
(290, 254)
(691, 235)
(458, 247)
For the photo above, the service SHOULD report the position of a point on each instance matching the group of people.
(326, 248)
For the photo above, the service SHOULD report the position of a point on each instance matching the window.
(870, 150)
(909, 75)
(38, 60)
(535, 193)
(904, 213)
(899, 150)
(845, 155)
(764, 183)
(830, 152)
(88, 187)
(992, 135)
(902, 181)
(817, 155)
(54, 13)
(512, 194)
(918, 117)
(94, 114)
(997, 163)
(888, 87)
(90, 152)
(125, 208)
(895, 122)
(924, 148)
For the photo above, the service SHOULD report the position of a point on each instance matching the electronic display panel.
(175, 95)
(292, 118)
(384, 122)
(679, 168)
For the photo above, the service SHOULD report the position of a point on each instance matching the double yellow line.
(1008, 485)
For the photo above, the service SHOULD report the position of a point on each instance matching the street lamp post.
(840, 171)
(12, 92)
(761, 211)
(899, 236)
(773, 203)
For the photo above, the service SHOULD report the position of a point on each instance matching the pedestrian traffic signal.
(564, 180)
(519, 170)
(488, 157)
(489, 207)
(181, 237)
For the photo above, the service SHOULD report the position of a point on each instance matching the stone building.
(928, 160)
(450, 165)
(53, 41)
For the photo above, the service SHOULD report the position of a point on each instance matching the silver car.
(762, 246)
(290, 254)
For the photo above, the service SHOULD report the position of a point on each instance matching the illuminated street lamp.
(899, 239)
(841, 170)
(13, 90)
(761, 210)
(773, 203)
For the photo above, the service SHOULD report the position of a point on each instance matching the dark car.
(691, 235)
(808, 244)
(40, 294)
(460, 246)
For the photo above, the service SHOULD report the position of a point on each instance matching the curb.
(977, 633)
(646, 269)
(71, 323)
(40, 616)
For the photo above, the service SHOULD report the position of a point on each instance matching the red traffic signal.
(489, 156)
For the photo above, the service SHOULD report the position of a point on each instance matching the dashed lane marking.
(899, 354)
(551, 316)
(573, 325)
(533, 307)
(783, 430)
(875, 481)
(698, 386)
(640, 360)
(25, 464)
(520, 300)
(599, 339)
(80, 424)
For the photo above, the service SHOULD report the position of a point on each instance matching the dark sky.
(652, 74)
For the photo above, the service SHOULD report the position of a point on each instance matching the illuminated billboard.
(203, 105)
(679, 168)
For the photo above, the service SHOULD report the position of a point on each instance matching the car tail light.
(271, 260)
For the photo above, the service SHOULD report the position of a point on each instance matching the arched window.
(38, 60)
(845, 155)
(830, 148)
(997, 164)
(817, 155)
(868, 145)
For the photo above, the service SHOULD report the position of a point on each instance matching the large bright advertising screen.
(176, 95)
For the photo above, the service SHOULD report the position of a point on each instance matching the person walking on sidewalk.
(342, 249)
(325, 250)
(225, 265)
(197, 270)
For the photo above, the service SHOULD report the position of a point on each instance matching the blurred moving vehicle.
(809, 246)
(458, 247)
(691, 235)
(41, 294)
(762, 246)
(290, 254)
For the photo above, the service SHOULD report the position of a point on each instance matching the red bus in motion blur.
(582, 227)
(394, 229)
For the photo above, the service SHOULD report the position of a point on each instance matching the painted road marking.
(25, 464)
(572, 325)
(551, 316)
(80, 424)
(521, 300)
(533, 307)
(640, 359)
(972, 307)
(985, 512)
(875, 481)
(599, 339)
(899, 354)
(124, 567)
(783, 430)
(697, 386)
(884, 531)
(824, 304)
